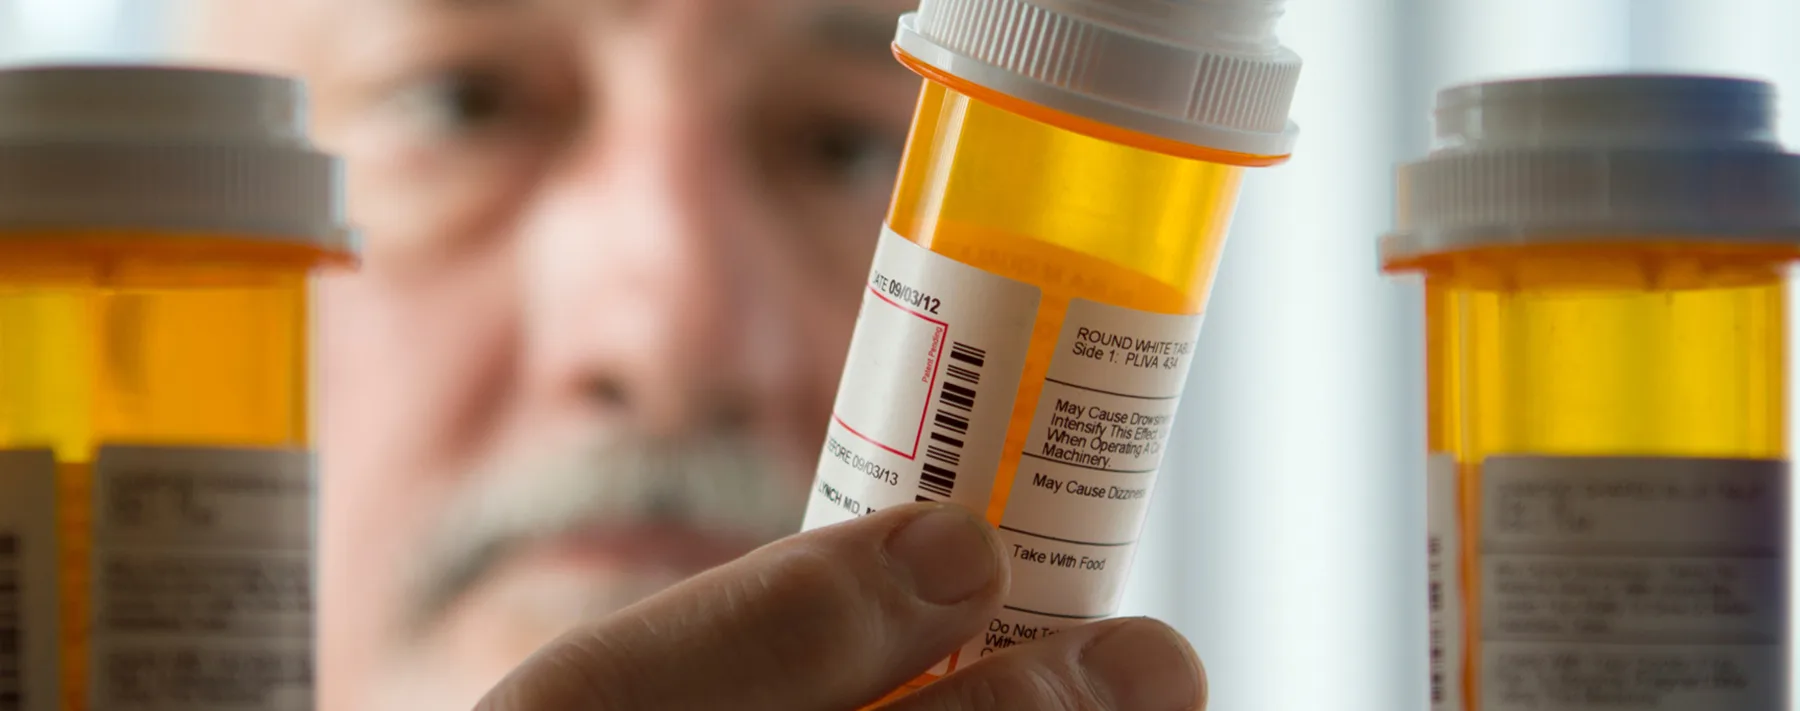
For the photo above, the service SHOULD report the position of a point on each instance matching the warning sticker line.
(1053, 614)
(1064, 540)
(1772, 638)
(1064, 383)
(1630, 551)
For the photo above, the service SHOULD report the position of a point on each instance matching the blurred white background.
(1287, 537)
(88, 30)
(1288, 541)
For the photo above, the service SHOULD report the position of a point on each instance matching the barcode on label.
(1436, 598)
(953, 406)
(12, 653)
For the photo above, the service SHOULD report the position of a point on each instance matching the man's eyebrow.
(853, 30)
(481, 5)
(846, 27)
(460, 4)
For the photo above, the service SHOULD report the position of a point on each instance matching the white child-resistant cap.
(167, 149)
(1581, 159)
(1202, 72)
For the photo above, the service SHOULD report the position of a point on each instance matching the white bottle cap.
(1584, 159)
(1202, 72)
(164, 149)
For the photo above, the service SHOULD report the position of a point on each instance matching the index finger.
(829, 619)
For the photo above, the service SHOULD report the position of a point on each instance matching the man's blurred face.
(613, 255)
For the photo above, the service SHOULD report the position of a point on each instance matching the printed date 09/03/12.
(906, 294)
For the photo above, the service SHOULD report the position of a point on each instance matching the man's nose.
(654, 293)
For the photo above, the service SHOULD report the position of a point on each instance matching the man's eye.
(459, 102)
(851, 152)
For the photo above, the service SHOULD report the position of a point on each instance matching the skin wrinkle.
(984, 696)
(825, 625)
(1000, 692)
(1087, 681)
(1076, 693)
(853, 636)
(899, 612)
(1056, 685)
(597, 654)
(821, 605)
(739, 600)
(600, 652)
(689, 622)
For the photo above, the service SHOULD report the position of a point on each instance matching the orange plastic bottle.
(157, 230)
(1605, 266)
(1031, 313)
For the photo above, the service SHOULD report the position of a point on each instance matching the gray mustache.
(722, 483)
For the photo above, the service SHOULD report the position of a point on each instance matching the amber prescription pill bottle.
(157, 230)
(1030, 316)
(1604, 264)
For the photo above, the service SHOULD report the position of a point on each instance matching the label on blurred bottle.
(30, 665)
(1443, 560)
(1632, 584)
(930, 391)
(203, 580)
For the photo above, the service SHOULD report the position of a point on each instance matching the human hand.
(835, 618)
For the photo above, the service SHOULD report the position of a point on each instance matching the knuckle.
(823, 613)
(1027, 686)
(585, 666)
(574, 671)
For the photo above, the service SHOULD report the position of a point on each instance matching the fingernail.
(1143, 665)
(947, 555)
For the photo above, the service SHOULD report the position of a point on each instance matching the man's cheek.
(420, 364)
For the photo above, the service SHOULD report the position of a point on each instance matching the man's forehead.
(857, 27)
(284, 31)
(831, 15)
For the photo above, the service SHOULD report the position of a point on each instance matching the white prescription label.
(1082, 489)
(925, 402)
(30, 655)
(203, 580)
(1443, 560)
(928, 386)
(927, 390)
(1632, 584)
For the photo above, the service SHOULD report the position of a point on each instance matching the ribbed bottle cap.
(1599, 157)
(1621, 110)
(1202, 72)
(166, 149)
